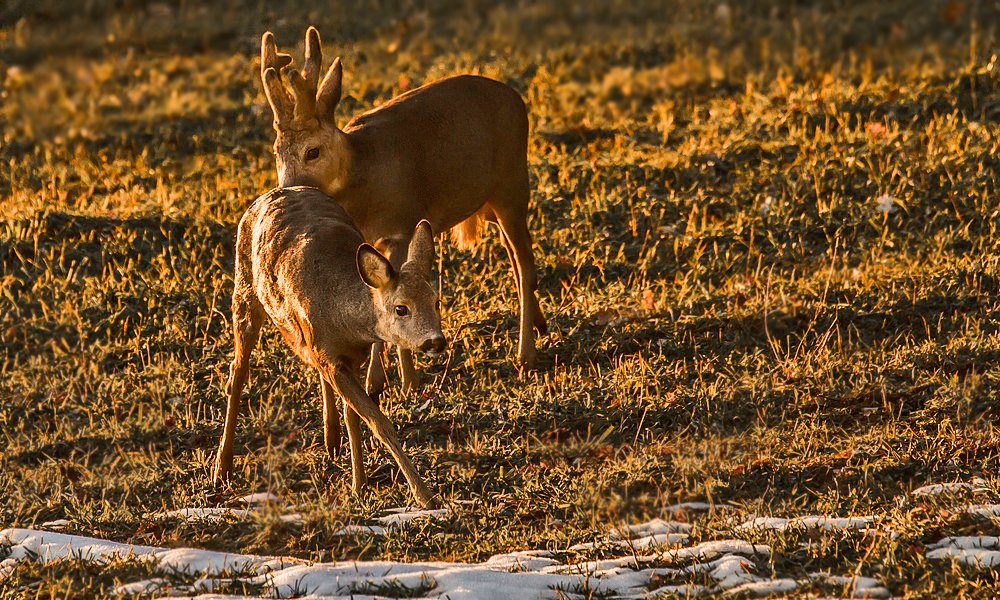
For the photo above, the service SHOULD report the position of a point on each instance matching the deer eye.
(312, 154)
(402, 311)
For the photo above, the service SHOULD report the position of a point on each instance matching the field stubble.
(765, 236)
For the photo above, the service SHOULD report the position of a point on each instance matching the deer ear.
(329, 91)
(375, 269)
(421, 248)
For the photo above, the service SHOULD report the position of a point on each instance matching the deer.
(302, 262)
(452, 152)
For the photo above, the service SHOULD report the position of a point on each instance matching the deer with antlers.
(453, 152)
(301, 261)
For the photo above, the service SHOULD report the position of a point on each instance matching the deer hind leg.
(512, 255)
(331, 419)
(358, 401)
(248, 316)
(512, 220)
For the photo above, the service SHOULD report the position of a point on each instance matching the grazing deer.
(301, 261)
(453, 152)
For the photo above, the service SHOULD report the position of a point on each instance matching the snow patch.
(261, 498)
(812, 522)
(938, 489)
(206, 514)
(986, 511)
(697, 507)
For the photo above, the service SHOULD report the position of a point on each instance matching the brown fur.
(301, 261)
(453, 152)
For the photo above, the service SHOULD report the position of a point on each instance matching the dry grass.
(734, 318)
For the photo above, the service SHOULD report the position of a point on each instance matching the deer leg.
(515, 229)
(354, 395)
(512, 255)
(407, 372)
(360, 479)
(248, 316)
(331, 420)
(376, 378)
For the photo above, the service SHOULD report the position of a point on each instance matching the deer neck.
(343, 175)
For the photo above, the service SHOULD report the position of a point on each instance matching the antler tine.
(277, 96)
(270, 58)
(305, 96)
(314, 59)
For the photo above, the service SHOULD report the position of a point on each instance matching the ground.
(766, 238)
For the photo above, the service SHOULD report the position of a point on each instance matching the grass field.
(767, 245)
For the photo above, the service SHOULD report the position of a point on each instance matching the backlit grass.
(766, 238)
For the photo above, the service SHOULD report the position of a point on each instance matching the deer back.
(436, 152)
(303, 248)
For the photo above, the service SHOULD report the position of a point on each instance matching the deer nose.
(434, 345)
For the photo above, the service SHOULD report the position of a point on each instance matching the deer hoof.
(526, 358)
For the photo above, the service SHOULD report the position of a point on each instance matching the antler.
(281, 103)
(270, 58)
(304, 83)
(271, 63)
(307, 92)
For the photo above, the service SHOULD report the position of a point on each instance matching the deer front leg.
(376, 379)
(248, 316)
(331, 420)
(354, 395)
(360, 479)
(396, 254)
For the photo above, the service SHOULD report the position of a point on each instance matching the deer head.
(309, 149)
(406, 306)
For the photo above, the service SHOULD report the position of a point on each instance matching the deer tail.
(466, 234)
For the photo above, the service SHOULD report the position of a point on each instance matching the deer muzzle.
(434, 345)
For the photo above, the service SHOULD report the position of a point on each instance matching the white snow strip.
(398, 517)
(525, 560)
(527, 575)
(649, 528)
(967, 542)
(644, 543)
(57, 524)
(938, 489)
(986, 511)
(146, 586)
(595, 566)
(813, 522)
(353, 529)
(697, 507)
(716, 548)
(732, 571)
(686, 590)
(858, 586)
(973, 557)
(206, 514)
(261, 498)
(766, 587)
(450, 580)
(521, 575)
(395, 519)
(47, 545)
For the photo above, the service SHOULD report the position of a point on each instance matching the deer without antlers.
(453, 152)
(301, 261)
